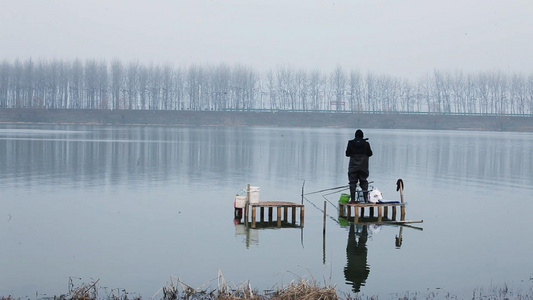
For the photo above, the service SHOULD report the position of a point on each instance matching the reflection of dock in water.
(251, 234)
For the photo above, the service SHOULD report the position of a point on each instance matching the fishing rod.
(331, 193)
(330, 189)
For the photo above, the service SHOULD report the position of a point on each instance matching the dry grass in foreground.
(298, 289)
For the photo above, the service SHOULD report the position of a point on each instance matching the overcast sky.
(397, 37)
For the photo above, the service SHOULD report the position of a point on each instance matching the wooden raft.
(345, 210)
(279, 205)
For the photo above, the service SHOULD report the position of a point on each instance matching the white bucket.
(254, 194)
(240, 202)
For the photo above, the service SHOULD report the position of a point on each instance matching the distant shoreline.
(268, 118)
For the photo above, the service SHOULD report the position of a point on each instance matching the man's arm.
(368, 149)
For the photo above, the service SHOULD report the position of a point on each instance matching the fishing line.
(322, 210)
(324, 196)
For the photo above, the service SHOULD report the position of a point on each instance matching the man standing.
(359, 151)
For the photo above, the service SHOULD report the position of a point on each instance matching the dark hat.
(359, 134)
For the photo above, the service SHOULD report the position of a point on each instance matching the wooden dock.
(282, 213)
(345, 211)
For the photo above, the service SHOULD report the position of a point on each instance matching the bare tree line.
(96, 84)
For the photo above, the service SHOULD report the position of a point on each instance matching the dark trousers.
(360, 177)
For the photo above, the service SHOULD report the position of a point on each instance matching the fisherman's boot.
(364, 187)
(352, 194)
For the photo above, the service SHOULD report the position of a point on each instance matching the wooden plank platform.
(345, 210)
(282, 214)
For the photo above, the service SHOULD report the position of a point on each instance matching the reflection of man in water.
(356, 270)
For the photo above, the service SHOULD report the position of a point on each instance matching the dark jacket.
(359, 151)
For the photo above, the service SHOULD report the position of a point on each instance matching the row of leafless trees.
(96, 84)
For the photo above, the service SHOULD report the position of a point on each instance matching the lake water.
(133, 206)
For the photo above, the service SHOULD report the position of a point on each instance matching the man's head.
(359, 134)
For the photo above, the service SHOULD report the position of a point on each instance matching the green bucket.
(345, 198)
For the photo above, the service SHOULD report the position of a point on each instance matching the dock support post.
(302, 210)
(279, 216)
(246, 208)
(293, 215)
(247, 205)
(253, 216)
(341, 210)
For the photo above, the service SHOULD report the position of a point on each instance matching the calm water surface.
(133, 206)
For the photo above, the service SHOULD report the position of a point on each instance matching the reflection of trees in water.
(459, 154)
(101, 154)
(357, 270)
